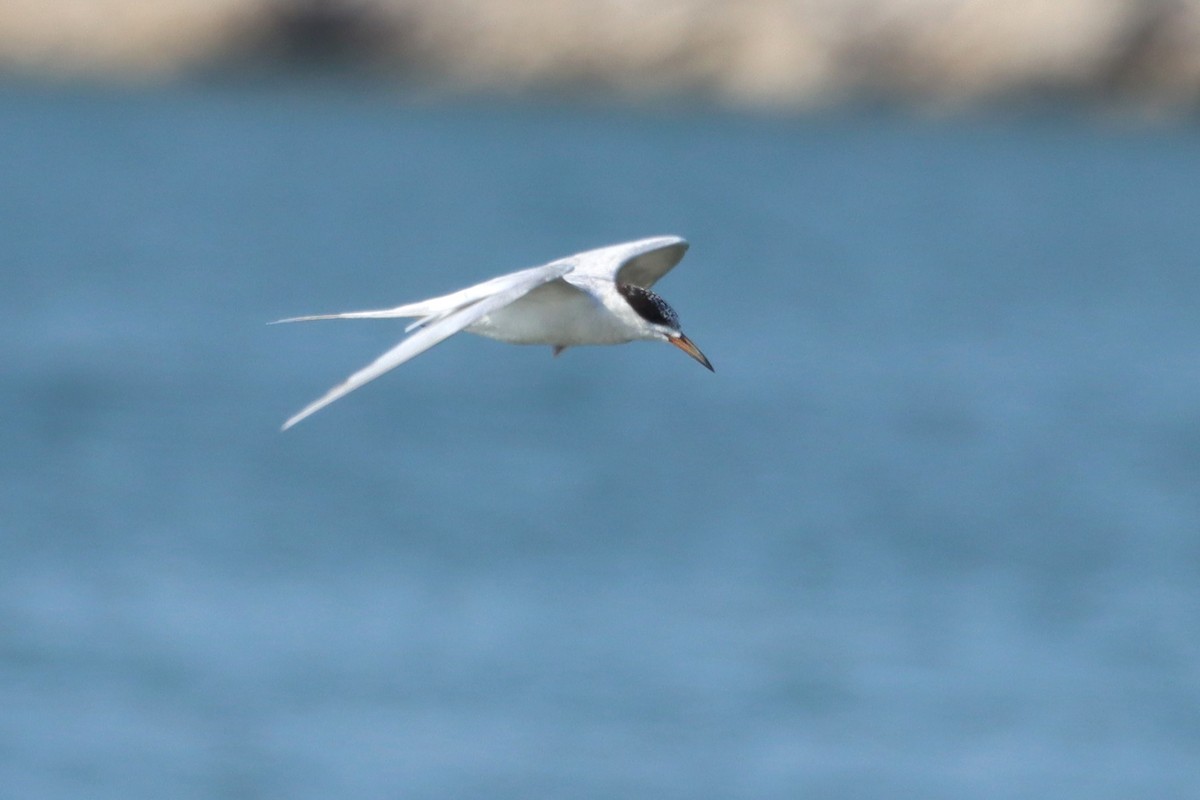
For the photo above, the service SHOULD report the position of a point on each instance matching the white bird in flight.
(597, 297)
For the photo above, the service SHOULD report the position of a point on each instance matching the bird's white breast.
(558, 316)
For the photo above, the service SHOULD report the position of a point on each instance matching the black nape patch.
(648, 305)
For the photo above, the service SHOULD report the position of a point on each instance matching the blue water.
(932, 530)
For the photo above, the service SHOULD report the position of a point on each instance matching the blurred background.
(932, 530)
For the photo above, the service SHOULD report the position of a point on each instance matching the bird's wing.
(639, 263)
(437, 307)
(442, 324)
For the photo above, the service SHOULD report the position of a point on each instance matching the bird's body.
(558, 314)
(596, 297)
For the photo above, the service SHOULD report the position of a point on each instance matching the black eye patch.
(648, 305)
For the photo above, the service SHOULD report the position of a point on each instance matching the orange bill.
(685, 344)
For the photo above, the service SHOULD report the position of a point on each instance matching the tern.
(596, 297)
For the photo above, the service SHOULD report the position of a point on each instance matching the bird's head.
(661, 321)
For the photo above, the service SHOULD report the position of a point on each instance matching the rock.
(768, 52)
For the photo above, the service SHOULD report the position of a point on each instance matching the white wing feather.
(641, 263)
(446, 316)
(445, 304)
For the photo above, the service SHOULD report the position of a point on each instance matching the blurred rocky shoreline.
(776, 53)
